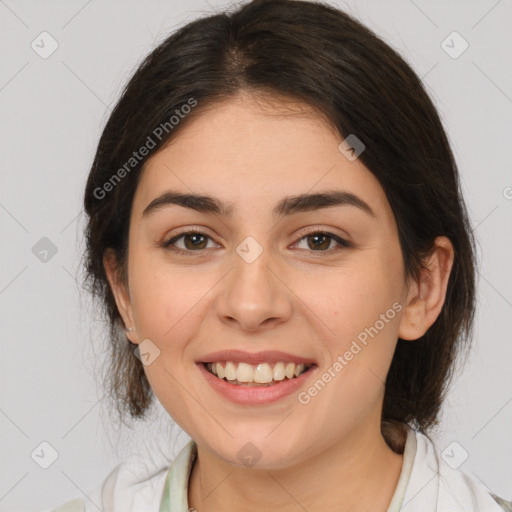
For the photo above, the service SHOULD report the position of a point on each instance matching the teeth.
(244, 373)
(299, 369)
(230, 371)
(278, 373)
(262, 373)
(220, 370)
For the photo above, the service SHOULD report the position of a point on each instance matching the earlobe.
(426, 296)
(120, 292)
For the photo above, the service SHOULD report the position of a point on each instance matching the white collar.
(426, 482)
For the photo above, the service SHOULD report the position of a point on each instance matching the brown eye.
(320, 241)
(193, 241)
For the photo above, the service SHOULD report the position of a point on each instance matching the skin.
(294, 297)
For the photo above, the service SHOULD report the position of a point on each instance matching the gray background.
(52, 112)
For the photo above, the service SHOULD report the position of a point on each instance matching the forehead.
(246, 151)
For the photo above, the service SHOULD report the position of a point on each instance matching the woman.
(275, 219)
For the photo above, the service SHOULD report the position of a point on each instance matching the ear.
(121, 293)
(426, 298)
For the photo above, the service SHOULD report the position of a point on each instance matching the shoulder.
(133, 485)
(76, 505)
(436, 481)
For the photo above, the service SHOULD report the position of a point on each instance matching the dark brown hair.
(317, 54)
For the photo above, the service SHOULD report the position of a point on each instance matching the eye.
(194, 241)
(321, 241)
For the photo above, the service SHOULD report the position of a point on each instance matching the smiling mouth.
(260, 375)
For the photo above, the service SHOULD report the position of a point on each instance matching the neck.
(360, 471)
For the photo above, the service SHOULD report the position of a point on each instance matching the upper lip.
(269, 356)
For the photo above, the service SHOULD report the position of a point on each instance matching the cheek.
(363, 312)
(165, 304)
(152, 296)
(356, 299)
(169, 305)
(362, 309)
(161, 294)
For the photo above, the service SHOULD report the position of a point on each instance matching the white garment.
(426, 484)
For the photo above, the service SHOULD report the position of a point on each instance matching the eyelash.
(168, 244)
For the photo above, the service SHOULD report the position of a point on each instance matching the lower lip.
(255, 395)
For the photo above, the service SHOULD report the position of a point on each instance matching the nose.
(253, 295)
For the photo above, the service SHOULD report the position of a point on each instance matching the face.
(323, 283)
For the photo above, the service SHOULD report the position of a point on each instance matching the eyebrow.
(287, 206)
